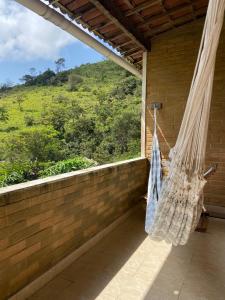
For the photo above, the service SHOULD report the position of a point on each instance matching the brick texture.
(45, 220)
(170, 69)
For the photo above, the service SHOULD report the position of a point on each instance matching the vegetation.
(68, 165)
(61, 121)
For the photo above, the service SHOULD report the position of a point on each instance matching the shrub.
(45, 78)
(11, 178)
(73, 164)
(4, 115)
(34, 144)
(127, 86)
(19, 99)
(5, 87)
(29, 120)
(60, 78)
(9, 129)
(19, 172)
(73, 81)
(60, 98)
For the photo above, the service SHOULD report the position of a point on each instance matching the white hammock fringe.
(176, 215)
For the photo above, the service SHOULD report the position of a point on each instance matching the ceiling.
(129, 25)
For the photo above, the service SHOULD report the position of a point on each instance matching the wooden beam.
(117, 36)
(178, 23)
(113, 13)
(141, 7)
(137, 13)
(161, 2)
(56, 3)
(192, 8)
(53, 1)
(144, 104)
(102, 26)
(125, 43)
(131, 51)
(165, 14)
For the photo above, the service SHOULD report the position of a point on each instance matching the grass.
(36, 100)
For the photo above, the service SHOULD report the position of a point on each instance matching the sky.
(28, 41)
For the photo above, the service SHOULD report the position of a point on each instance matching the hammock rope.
(180, 201)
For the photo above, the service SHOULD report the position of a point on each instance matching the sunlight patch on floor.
(137, 275)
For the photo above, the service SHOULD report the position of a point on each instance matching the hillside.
(90, 112)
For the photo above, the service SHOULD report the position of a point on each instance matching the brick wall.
(45, 220)
(170, 69)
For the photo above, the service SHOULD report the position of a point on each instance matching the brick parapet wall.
(170, 69)
(43, 221)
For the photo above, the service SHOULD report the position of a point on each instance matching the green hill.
(91, 112)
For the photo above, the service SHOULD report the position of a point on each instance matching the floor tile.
(127, 265)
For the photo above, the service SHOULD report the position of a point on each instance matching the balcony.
(126, 264)
(81, 236)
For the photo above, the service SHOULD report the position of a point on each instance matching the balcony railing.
(44, 221)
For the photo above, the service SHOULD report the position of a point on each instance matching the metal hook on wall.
(156, 105)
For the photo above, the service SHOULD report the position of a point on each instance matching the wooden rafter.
(165, 14)
(131, 11)
(102, 26)
(132, 51)
(113, 13)
(192, 8)
(126, 43)
(54, 1)
(161, 2)
(141, 7)
(130, 5)
(128, 25)
(178, 22)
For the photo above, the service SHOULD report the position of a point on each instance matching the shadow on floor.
(87, 277)
(127, 265)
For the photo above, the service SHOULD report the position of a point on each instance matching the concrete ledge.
(17, 192)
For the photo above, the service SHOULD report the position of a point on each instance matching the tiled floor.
(127, 265)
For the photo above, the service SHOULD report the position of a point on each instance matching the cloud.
(25, 35)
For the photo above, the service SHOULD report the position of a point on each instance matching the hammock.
(174, 213)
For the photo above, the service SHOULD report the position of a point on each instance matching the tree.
(27, 79)
(82, 136)
(60, 78)
(75, 111)
(73, 81)
(33, 71)
(6, 86)
(20, 99)
(45, 78)
(56, 116)
(33, 144)
(127, 86)
(4, 116)
(126, 127)
(60, 64)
